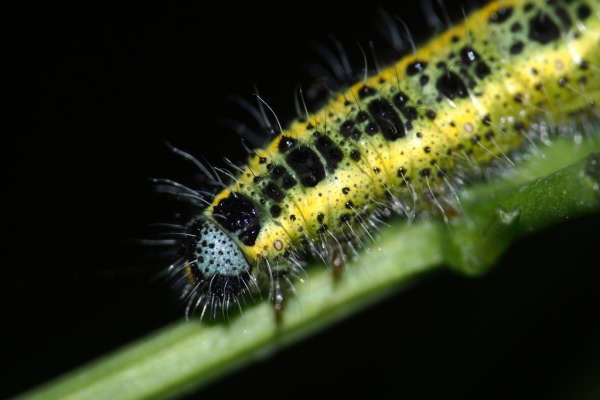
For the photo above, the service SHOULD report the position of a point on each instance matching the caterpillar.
(403, 140)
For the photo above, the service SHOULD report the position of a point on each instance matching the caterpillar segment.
(401, 141)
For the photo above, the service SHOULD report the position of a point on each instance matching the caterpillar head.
(217, 271)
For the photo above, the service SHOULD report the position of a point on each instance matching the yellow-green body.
(528, 85)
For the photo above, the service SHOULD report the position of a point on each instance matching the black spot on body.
(400, 100)
(583, 12)
(371, 129)
(516, 27)
(517, 48)
(344, 219)
(468, 55)
(320, 217)
(274, 192)
(322, 229)
(424, 80)
(450, 85)
(275, 211)
(387, 118)
(365, 92)
(425, 172)
(415, 68)
(362, 116)
(288, 182)
(278, 171)
(257, 179)
(410, 113)
(286, 143)
(307, 165)
(346, 190)
(502, 15)
(542, 29)
(355, 155)
(482, 70)
(346, 128)
(237, 214)
(564, 17)
(519, 126)
(330, 152)
(430, 114)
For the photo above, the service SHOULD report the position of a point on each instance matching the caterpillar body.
(401, 141)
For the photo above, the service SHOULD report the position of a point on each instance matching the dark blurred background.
(99, 89)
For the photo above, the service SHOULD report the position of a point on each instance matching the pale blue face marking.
(216, 253)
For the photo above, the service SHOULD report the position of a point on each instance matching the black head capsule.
(216, 267)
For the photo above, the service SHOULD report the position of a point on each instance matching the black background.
(100, 89)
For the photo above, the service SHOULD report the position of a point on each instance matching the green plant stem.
(187, 355)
